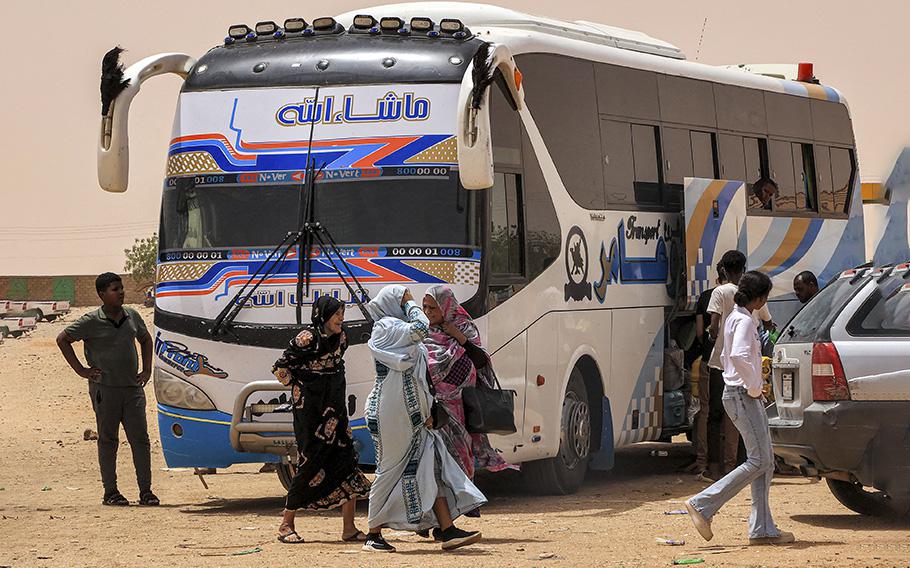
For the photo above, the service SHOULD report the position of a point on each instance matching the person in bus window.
(418, 485)
(109, 335)
(744, 403)
(327, 475)
(457, 360)
(805, 286)
(720, 306)
(764, 190)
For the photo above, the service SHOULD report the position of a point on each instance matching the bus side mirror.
(113, 139)
(475, 143)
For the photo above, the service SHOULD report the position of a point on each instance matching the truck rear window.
(886, 312)
(813, 322)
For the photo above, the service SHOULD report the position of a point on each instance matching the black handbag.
(440, 415)
(489, 410)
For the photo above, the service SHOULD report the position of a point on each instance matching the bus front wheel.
(564, 473)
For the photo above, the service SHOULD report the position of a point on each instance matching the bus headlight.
(173, 391)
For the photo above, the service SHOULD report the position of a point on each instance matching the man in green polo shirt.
(114, 383)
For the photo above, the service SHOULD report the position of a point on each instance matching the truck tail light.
(828, 379)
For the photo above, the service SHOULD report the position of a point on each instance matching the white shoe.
(702, 525)
(783, 538)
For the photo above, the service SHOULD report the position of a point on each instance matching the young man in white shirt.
(733, 263)
(744, 403)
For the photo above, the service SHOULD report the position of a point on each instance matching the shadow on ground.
(636, 478)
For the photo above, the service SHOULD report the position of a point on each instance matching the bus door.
(715, 223)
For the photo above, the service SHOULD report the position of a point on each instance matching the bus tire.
(564, 473)
(285, 472)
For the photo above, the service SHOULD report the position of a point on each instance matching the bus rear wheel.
(564, 473)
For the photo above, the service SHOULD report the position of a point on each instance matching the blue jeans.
(750, 418)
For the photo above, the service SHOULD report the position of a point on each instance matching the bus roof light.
(251, 36)
(805, 73)
(450, 26)
(375, 30)
(324, 24)
(266, 28)
(364, 21)
(433, 34)
(294, 25)
(422, 25)
(391, 24)
(238, 31)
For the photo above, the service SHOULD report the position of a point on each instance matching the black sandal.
(358, 536)
(149, 499)
(115, 500)
(286, 538)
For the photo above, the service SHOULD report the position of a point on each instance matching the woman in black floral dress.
(327, 475)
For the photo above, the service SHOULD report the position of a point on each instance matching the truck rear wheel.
(564, 473)
(873, 503)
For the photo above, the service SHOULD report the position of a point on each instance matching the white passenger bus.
(576, 204)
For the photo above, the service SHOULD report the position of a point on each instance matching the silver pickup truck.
(841, 379)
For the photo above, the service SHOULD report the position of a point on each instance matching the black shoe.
(115, 499)
(453, 537)
(473, 513)
(375, 543)
(149, 499)
(425, 533)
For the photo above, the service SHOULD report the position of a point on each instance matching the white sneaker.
(702, 525)
(783, 538)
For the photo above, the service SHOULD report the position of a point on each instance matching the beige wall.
(40, 288)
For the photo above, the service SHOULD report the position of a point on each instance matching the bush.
(141, 260)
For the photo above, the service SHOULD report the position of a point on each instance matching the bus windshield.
(397, 211)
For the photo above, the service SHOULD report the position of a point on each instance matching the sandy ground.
(51, 513)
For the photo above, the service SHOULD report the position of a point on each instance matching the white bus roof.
(525, 33)
(488, 16)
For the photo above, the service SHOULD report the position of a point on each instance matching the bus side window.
(843, 168)
(756, 165)
(506, 226)
(704, 155)
(677, 163)
(732, 161)
(823, 179)
(780, 156)
(616, 140)
(804, 170)
(507, 243)
(646, 161)
(542, 233)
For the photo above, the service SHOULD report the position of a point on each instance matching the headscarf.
(443, 350)
(323, 309)
(294, 360)
(391, 340)
(387, 303)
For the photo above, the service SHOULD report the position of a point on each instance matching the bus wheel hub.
(576, 431)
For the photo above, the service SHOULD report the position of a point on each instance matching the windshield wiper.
(230, 311)
(308, 230)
